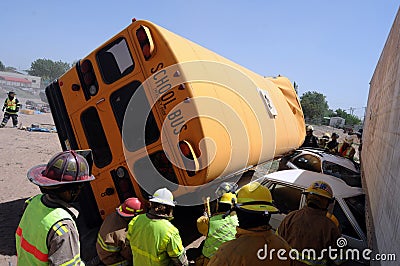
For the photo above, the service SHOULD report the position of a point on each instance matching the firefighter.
(332, 145)
(47, 233)
(218, 229)
(312, 227)
(255, 237)
(112, 246)
(310, 140)
(346, 149)
(154, 240)
(10, 109)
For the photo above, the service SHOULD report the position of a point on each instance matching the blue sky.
(331, 47)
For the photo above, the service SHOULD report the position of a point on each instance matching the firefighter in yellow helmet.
(311, 226)
(254, 237)
(219, 228)
(47, 233)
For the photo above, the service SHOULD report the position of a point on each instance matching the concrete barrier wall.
(381, 150)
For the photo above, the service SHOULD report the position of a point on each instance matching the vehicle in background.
(349, 205)
(321, 161)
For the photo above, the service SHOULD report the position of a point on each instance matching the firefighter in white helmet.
(310, 140)
(154, 240)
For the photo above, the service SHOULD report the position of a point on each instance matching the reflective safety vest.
(153, 241)
(346, 152)
(220, 230)
(32, 231)
(11, 105)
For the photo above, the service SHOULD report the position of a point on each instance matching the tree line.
(314, 104)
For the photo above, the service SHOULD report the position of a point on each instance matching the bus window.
(145, 41)
(147, 171)
(122, 183)
(119, 101)
(115, 61)
(96, 137)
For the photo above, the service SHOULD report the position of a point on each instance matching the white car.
(320, 161)
(286, 187)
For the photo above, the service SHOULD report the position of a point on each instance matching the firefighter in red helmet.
(112, 246)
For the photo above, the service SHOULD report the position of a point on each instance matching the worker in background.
(312, 226)
(346, 149)
(219, 228)
(112, 246)
(332, 146)
(154, 240)
(324, 140)
(359, 136)
(254, 237)
(310, 140)
(47, 233)
(10, 108)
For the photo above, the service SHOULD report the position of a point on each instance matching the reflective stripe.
(121, 263)
(163, 246)
(75, 261)
(31, 248)
(105, 246)
(60, 229)
(144, 253)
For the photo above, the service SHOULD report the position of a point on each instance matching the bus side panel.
(60, 116)
(68, 141)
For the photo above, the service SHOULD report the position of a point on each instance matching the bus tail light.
(88, 79)
(123, 183)
(187, 152)
(145, 41)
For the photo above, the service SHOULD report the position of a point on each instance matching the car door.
(286, 199)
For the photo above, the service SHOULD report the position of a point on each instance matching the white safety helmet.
(163, 196)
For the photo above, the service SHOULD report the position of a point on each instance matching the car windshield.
(308, 162)
(357, 207)
(350, 177)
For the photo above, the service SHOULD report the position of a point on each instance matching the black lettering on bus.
(167, 97)
(164, 88)
(176, 132)
(177, 121)
(161, 71)
(160, 65)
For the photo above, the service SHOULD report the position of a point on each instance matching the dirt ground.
(20, 150)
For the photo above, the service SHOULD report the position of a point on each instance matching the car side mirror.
(290, 165)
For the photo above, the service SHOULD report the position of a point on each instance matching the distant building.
(19, 80)
(337, 122)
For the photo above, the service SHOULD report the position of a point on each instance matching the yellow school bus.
(159, 110)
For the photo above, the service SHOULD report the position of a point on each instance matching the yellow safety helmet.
(227, 198)
(320, 188)
(255, 197)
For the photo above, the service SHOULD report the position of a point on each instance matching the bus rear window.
(96, 137)
(148, 170)
(134, 130)
(115, 61)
